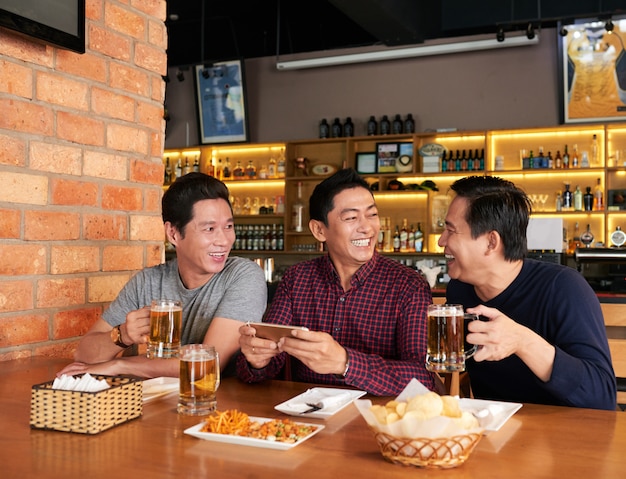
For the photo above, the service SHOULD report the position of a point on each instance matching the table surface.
(538, 441)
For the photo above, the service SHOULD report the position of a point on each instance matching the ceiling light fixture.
(412, 52)
(608, 26)
(500, 35)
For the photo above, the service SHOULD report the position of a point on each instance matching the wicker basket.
(86, 412)
(440, 453)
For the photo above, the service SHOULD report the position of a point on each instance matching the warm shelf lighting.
(246, 149)
(411, 52)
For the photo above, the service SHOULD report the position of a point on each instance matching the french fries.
(422, 407)
(238, 423)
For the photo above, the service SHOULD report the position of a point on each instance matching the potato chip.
(451, 406)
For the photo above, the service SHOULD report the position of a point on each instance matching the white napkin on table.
(301, 403)
(86, 383)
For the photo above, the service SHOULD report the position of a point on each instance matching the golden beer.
(446, 338)
(199, 379)
(166, 318)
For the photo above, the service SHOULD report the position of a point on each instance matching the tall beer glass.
(166, 318)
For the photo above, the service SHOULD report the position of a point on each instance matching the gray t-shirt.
(237, 292)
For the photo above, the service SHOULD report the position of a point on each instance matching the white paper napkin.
(86, 383)
(301, 403)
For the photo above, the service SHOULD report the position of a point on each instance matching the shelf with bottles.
(512, 148)
(616, 146)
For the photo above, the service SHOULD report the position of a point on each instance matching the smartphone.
(274, 331)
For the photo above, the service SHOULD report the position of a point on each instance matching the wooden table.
(538, 442)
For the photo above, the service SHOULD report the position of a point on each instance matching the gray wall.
(493, 89)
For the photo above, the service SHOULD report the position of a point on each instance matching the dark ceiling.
(205, 31)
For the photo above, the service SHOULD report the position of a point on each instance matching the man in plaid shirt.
(365, 313)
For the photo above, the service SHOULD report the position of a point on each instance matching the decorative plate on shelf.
(323, 170)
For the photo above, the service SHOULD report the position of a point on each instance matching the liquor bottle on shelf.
(250, 172)
(404, 236)
(196, 165)
(238, 173)
(348, 127)
(388, 236)
(324, 129)
(558, 161)
(574, 241)
(567, 198)
(187, 167)
(584, 160)
(297, 211)
(167, 175)
(550, 161)
(457, 162)
(558, 205)
(396, 239)
(396, 125)
(271, 169)
(410, 244)
(409, 124)
(588, 199)
(219, 170)
(594, 152)
(481, 165)
(531, 159)
(227, 171)
(380, 241)
(372, 126)
(470, 160)
(575, 163)
(178, 170)
(281, 164)
(336, 130)
(385, 125)
(463, 161)
(210, 169)
(263, 172)
(419, 239)
(280, 238)
(598, 200)
(565, 158)
(578, 199)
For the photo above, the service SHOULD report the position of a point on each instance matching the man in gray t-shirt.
(218, 293)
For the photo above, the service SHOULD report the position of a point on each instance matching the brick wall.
(81, 141)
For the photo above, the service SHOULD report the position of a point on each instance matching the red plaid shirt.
(380, 321)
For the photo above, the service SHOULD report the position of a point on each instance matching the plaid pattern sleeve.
(380, 321)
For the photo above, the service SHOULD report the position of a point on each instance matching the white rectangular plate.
(296, 405)
(499, 411)
(250, 441)
(158, 387)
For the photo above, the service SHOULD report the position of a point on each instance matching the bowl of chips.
(423, 429)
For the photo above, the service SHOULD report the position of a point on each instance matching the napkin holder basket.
(86, 412)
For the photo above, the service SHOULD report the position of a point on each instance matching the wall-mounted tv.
(59, 22)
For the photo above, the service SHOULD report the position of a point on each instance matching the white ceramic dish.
(158, 387)
(491, 414)
(298, 404)
(250, 441)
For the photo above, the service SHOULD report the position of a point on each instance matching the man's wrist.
(345, 370)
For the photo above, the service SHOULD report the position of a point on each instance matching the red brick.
(74, 322)
(151, 58)
(63, 349)
(10, 223)
(16, 79)
(152, 200)
(54, 293)
(113, 105)
(146, 228)
(22, 259)
(25, 49)
(70, 192)
(74, 259)
(26, 329)
(86, 65)
(123, 77)
(104, 289)
(24, 188)
(155, 254)
(81, 129)
(121, 198)
(94, 9)
(58, 89)
(124, 21)
(154, 8)
(127, 138)
(26, 117)
(157, 34)
(150, 172)
(55, 158)
(105, 227)
(18, 354)
(51, 225)
(108, 43)
(150, 114)
(122, 258)
(13, 151)
(105, 165)
(16, 296)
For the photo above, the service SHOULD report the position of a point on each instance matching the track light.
(608, 26)
(180, 75)
(530, 31)
(205, 73)
(563, 32)
(500, 34)
(166, 78)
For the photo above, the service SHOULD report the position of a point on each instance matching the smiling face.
(208, 239)
(352, 230)
(464, 254)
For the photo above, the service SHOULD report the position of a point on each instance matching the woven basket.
(86, 412)
(446, 452)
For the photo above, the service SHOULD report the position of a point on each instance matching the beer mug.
(166, 319)
(446, 338)
(199, 379)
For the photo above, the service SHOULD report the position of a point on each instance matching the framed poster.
(592, 71)
(366, 163)
(222, 106)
